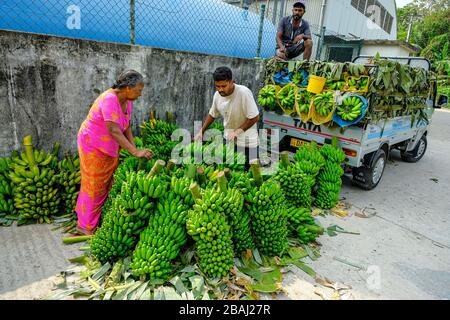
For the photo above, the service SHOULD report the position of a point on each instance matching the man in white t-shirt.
(235, 103)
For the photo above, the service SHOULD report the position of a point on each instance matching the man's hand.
(299, 38)
(233, 135)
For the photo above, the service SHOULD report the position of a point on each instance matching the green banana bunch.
(128, 216)
(324, 103)
(239, 220)
(180, 186)
(350, 109)
(269, 223)
(35, 184)
(304, 101)
(296, 185)
(286, 97)
(309, 158)
(69, 182)
(329, 178)
(298, 78)
(208, 226)
(267, 97)
(335, 85)
(161, 241)
(156, 135)
(359, 84)
(6, 190)
(301, 224)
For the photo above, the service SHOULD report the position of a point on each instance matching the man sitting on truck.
(294, 35)
(235, 103)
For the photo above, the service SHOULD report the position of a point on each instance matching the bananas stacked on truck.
(286, 97)
(358, 83)
(329, 178)
(161, 241)
(6, 192)
(156, 135)
(350, 109)
(69, 181)
(35, 184)
(334, 85)
(268, 212)
(296, 184)
(267, 97)
(324, 103)
(129, 214)
(208, 226)
(304, 101)
(301, 224)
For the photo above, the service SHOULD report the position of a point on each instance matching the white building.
(344, 26)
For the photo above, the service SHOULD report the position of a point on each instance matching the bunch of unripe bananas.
(324, 103)
(267, 97)
(69, 181)
(35, 184)
(302, 225)
(286, 97)
(161, 241)
(209, 227)
(329, 179)
(350, 109)
(304, 101)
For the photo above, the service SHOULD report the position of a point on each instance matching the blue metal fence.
(204, 26)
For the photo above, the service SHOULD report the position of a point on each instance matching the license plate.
(298, 142)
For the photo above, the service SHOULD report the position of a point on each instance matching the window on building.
(340, 54)
(371, 9)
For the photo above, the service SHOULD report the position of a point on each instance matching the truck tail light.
(350, 153)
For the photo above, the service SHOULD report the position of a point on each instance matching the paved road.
(405, 246)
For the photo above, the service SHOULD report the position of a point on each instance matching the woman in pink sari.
(105, 130)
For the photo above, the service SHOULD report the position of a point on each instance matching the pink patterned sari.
(99, 156)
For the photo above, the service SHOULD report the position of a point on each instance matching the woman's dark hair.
(128, 78)
(222, 73)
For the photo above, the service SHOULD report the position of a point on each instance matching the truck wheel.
(417, 153)
(368, 178)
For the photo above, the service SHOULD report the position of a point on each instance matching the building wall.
(343, 18)
(48, 83)
(386, 51)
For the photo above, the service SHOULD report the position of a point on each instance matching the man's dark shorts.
(294, 50)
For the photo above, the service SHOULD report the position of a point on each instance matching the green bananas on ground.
(208, 226)
(324, 103)
(301, 224)
(267, 207)
(161, 241)
(128, 215)
(286, 97)
(329, 178)
(180, 186)
(296, 184)
(267, 97)
(350, 109)
(304, 101)
(35, 184)
(6, 190)
(309, 159)
(156, 135)
(69, 181)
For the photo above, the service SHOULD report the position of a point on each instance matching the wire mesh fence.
(203, 26)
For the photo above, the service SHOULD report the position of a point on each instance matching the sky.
(402, 3)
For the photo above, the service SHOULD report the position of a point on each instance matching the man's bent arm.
(248, 124)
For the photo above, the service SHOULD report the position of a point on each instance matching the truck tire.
(368, 178)
(417, 153)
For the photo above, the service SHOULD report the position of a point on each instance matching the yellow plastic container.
(316, 84)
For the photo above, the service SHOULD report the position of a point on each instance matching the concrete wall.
(48, 83)
(385, 51)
